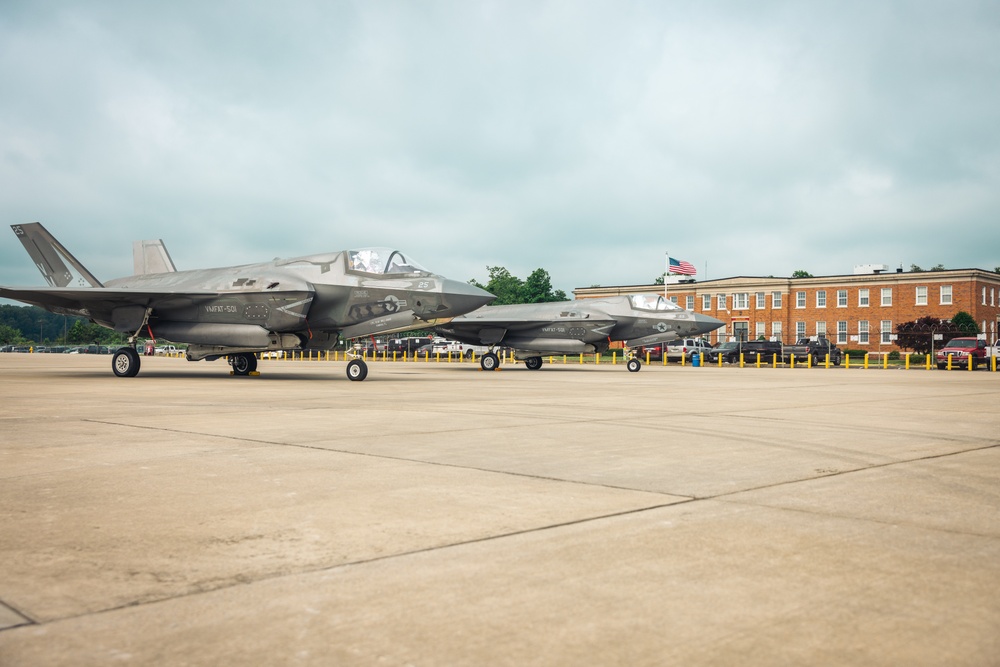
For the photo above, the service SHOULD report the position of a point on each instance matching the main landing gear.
(125, 362)
(533, 363)
(244, 363)
(357, 370)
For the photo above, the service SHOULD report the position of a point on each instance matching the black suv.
(765, 350)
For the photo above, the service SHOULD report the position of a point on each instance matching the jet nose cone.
(706, 324)
(460, 298)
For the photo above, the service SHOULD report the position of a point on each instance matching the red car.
(960, 349)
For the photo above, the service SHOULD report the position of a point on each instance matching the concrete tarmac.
(435, 514)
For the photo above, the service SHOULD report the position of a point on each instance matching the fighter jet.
(303, 303)
(574, 327)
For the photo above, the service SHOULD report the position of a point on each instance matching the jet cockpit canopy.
(653, 302)
(382, 261)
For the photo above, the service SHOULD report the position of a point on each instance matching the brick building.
(857, 311)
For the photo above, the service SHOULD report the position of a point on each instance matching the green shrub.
(894, 355)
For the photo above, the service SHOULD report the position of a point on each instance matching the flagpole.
(666, 272)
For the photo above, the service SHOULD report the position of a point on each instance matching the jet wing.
(493, 331)
(98, 303)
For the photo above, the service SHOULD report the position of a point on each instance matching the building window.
(946, 295)
(775, 299)
(863, 298)
(674, 299)
(760, 301)
(741, 301)
(761, 330)
(922, 296)
(841, 298)
(706, 302)
(842, 332)
(721, 302)
(821, 298)
(886, 332)
(886, 296)
(821, 329)
(776, 331)
(690, 302)
(984, 295)
(800, 330)
(863, 332)
(800, 299)
(992, 296)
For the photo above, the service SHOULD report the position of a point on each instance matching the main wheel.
(357, 370)
(489, 361)
(125, 362)
(244, 363)
(533, 363)
(633, 365)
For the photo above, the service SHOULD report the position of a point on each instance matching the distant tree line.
(22, 325)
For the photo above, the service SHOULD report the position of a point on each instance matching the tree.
(9, 335)
(938, 267)
(509, 289)
(659, 279)
(915, 269)
(965, 323)
(799, 273)
(918, 335)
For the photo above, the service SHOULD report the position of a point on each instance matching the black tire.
(244, 363)
(125, 362)
(489, 362)
(357, 370)
(633, 365)
(533, 363)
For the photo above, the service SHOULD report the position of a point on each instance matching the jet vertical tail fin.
(151, 257)
(52, 258)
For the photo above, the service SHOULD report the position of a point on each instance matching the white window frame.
(741, 301)
(921, 295)
(775, 300)
(842, 332)
(706, 302)
(776, 331)
(863, 332)
(673, 298)
(841, 298)
(760, 330)
(946, 293)
(689, 302)
(721, 302)
(886, 332)
(864, 297)
(800, 330)
(821, 298)
(820, 329)
(800, 299)
(761, 300)
(886, 297)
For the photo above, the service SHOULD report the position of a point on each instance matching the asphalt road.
(439, 515)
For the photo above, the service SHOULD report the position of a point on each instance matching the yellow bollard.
(614, 358)
(927, 358)
(741, 360)
(885, 362)
(647, 357)
(774, 359)
(597, 358)
(581, 358)
(791, 358)
(847, 361)
(866, 361)
(719, 358)
(758, 360)
(907, 367)
(564, 360)
(682, 357)
(809, 360)
(949, 362)
(827, 363)
(971, 364)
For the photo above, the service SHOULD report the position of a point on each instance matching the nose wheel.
(489, 361)
(357, 370)
(125, 362)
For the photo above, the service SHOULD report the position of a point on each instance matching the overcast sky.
(586, 138)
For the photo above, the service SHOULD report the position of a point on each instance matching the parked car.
(765, 350)
(818, 348)
(654, 352)
(685, 347)
(729, 351)
(960, 349)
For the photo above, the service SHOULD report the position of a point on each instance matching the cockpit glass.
(655, 302)
(382, 261)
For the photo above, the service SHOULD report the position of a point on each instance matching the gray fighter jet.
(573, 327)
(303, 303)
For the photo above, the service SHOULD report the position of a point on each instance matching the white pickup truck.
(168, 350)
(443, 346)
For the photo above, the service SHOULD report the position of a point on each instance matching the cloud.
(585, 139)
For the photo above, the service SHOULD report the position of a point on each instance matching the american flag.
(680, 266)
